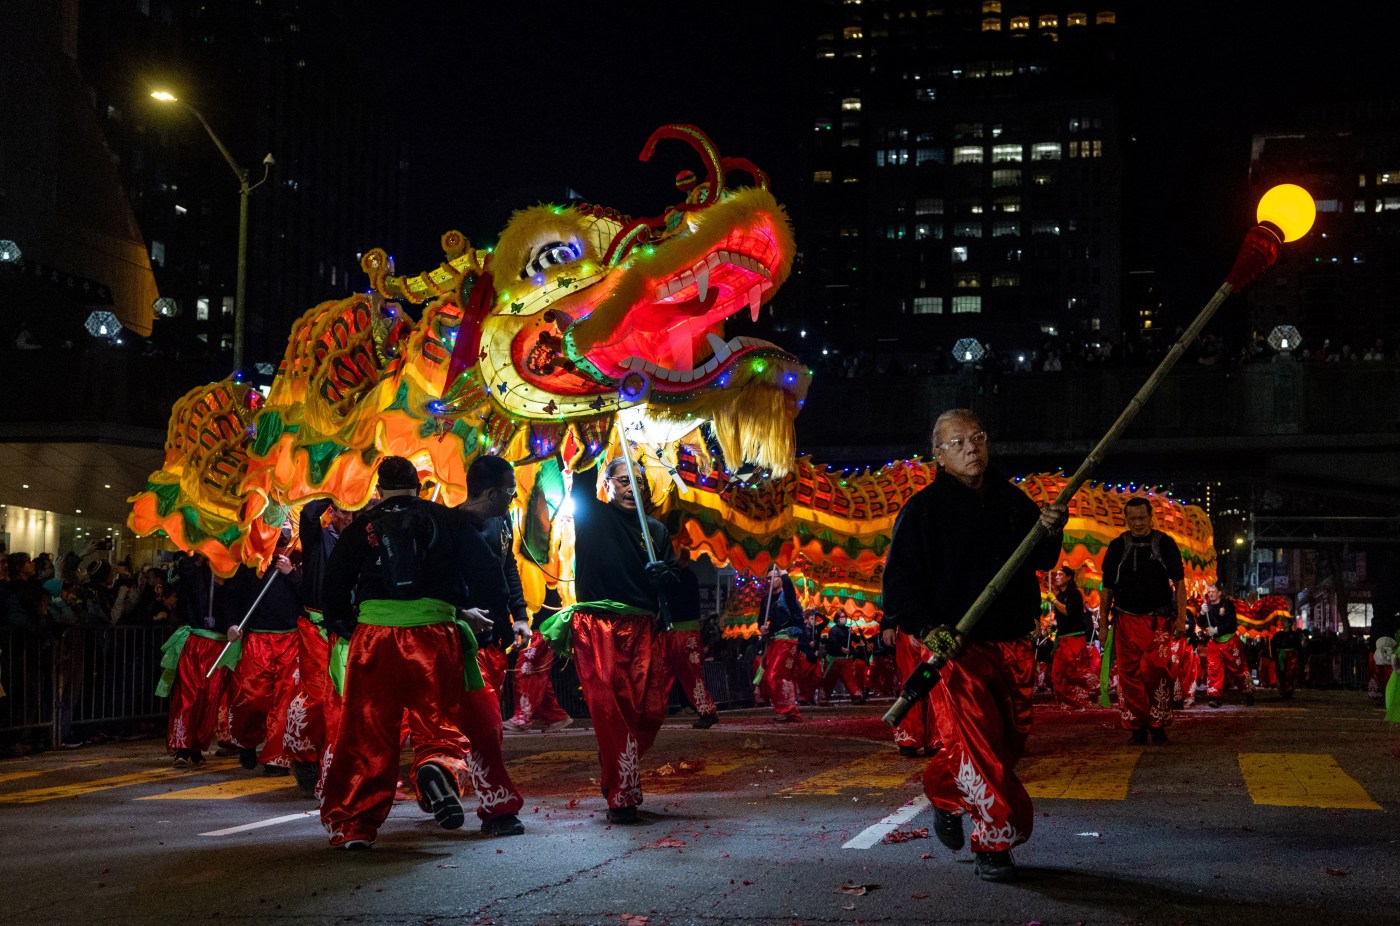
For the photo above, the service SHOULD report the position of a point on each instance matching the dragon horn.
(747, 167)
(714, 169)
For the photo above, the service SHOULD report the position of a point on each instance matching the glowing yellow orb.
(1290, 208)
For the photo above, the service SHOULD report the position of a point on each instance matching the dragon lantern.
(580, 322)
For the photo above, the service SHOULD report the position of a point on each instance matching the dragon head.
(592, 313)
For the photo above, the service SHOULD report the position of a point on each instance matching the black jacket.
(459, 568)
(948, 542)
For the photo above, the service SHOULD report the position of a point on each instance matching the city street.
(1277, 814)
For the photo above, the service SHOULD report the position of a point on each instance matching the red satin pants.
(264, 679)
(918, 728)
(1143, 654)
(534, 686)
(686, 664)
(1069, 672)
(780, 659)
(194, 699)
(621, 661)
(983, 706)
(1225, 662)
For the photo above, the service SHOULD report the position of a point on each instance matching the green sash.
(558, 630)
(1106, 668)
(422, 612)
(1224, 638)
(1392, 697)
(170, 655)
(686, 625)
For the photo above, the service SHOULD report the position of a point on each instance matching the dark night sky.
(530, 98)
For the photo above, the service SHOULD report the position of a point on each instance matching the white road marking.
(873, 834)
(260, 824)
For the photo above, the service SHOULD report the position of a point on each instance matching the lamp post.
(244, 188)
(1285, 213)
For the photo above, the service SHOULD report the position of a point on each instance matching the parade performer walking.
(840, 666)
(1225, 658)
(314, 709)
(195, 692)
(685, 657)
(490, 491)
(621, 570)
(407, 564)
(535, 701)
(1070, 676)
(1145, 592)
(781, 629)
(266, 674)
(953, 537)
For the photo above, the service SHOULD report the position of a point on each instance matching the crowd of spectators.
(43, 595)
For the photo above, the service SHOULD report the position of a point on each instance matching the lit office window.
(1045, 227)
(928, 305)
(1045, 151)
(967, 281)
(1019, 24)
(991, 6)
(928, 206)
(991, 24)
(1005, 280)
(1004, 229)
(1048, 21)
(967, 305)
(821, 176)
(1006, 177)
(851, 104)
(928, 156)
(1076, 19)
(1006, 154)
(1106, 18)
(967, 154)
(201, 308)
(959, 255)
(967, 230)
(226, 306)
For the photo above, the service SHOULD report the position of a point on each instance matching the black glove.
(663, 578)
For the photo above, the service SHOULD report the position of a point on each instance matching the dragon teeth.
(719, 346)
(702, 280)
(755, 301)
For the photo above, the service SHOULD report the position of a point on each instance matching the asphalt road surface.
(1284, 813)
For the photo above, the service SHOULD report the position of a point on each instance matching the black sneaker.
(624, 816)
(1138, 737)
(909, 752)
(275, 771)
(1214, 702)
(1178, 704)
(706, 721)
(248, 758)
(306, 774)
(1249, 699)
(440, 794)
(948, 828)
(995, 866)
(183, 758)
(355, 845)
(508, 825)
(1159, 735)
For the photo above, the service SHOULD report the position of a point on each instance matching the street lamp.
(244, 188)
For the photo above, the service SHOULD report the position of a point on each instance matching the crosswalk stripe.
(261, 823)
(39, 795)
(881, 771)
(1096, 776)
(873, 834)
(224, 790)
(1284, 779)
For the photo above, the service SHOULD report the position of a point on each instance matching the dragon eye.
(553, 254)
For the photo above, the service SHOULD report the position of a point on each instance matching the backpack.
(1129, 543)
(405, 535)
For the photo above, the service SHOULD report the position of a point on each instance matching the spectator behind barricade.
(43, 567)
(28, 610)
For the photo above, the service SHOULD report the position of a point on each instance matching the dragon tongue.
(682, 350)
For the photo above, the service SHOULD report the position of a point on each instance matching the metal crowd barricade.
(60, 684)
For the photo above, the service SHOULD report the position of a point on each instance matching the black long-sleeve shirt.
(505, 609)
(610, 561)
(1140, 572)
(782, 609)
(317, 542)
(838, 641)
(1076, 618)
(949, 541)
(458, 567)
(1220, 615)
(278, 609)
